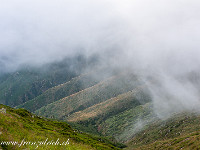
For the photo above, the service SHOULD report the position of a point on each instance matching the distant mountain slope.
(116, 104)
(182, 131)
(18, 125)
(29, 82)
(98, 93)
(118, 119)
(113, 92)
(58, 92)
(123, 101)
(93, 107)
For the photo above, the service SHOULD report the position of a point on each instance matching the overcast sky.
(148, 31)
(40, 31)
(158, 37)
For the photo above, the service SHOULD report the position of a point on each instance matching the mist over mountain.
(155, 40)
(145, 33)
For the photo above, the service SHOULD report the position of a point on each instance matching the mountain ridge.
(20, 125)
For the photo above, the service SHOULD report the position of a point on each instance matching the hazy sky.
(147, 31)
(39, 31)
(156, 37)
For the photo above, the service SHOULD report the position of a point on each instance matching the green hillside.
(19, 125)
(93, 109)
(63, 90)
(29, 82)
(100, 92)
(115, 116)
(106, 96)
(182, 131)
(116, 105)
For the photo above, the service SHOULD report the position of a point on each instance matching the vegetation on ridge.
(19, 124)
(182, 131)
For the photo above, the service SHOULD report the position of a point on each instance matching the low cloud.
(151, 37)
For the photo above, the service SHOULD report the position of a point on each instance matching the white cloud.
(149, 36)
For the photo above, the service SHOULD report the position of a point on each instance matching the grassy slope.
(19, 124)
(115, 116)
(98, 93)
(58, 92)
(124, 125)
(29, 82)
(14, 87)
(121, 125)
(121, 102)
(113, 96)
(24, 85)
(94, 109)
(179, 132)
(63, 90)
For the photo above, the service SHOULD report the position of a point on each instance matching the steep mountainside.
(182, 131)
(115, 104)
(63, 90)
(98, 93)
(29, 82)
(18, 127)
(95, 107)
(91, 101)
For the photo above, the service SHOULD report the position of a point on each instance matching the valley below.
(116, 106)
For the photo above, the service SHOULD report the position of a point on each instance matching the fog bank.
(153, 38)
